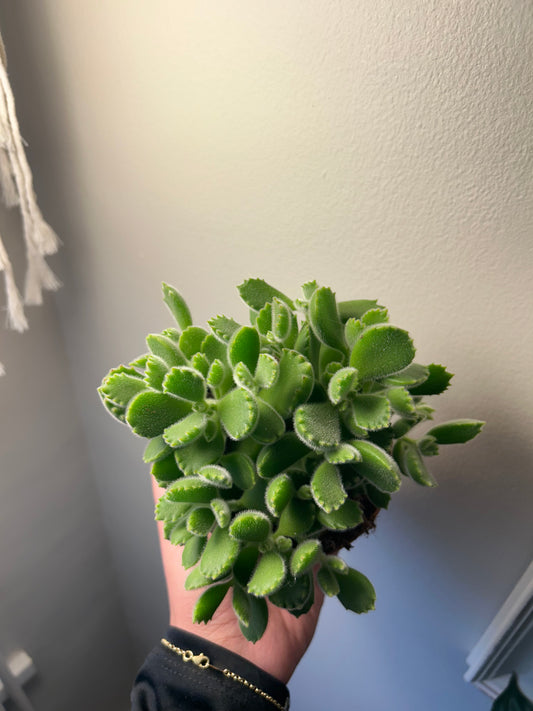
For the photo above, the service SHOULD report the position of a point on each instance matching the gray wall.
(58, 589)
(59, 596)
(381, 148)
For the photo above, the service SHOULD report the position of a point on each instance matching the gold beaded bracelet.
(202, 662)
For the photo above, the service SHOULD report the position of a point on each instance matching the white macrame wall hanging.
(16, 185)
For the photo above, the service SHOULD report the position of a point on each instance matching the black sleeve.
(166, 682)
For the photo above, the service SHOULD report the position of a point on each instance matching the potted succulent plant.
(278, 443)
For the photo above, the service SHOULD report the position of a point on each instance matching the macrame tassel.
(16, 184)
(15, 309)
(7, 183)
(39, 237)
(39, 276)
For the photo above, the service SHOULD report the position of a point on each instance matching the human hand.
(280, 648)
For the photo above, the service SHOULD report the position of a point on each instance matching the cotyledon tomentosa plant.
(278, 443)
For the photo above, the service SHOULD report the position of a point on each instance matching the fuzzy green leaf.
(305, 556)
(328, 491)
(375, 316)
(191, 340)
(241, 605)
(371, 412)
(351, 424)
(156, 370)
(121, 388)
(317, 425)
(428, 446)
(192, 490)
(250, 527)
(245, 564)
(294, 383)
(296, 518)
(238, 413)
(200, 521)
(456, 431)
(270, 426)
(267, 371)
(336, 564)
(342, 454)
(199, 453)
(402, 401)
(294, 594)
(324, 319)
(241, 468)
(256, 293)
(208, 602)
(353, 328)
(166, 349)
(254, 498)
(166, 470)
(263, 321)
(186, 430)
(116, 411)
(282, 320)
(328, 582)
(276, 458)
(436, 383)
(212, 429)
(192, 551)
(329, 361)
(356, 308)
(216, 475)
(341, 384)
(244, 348)
(283, 544)
(268, 575)
(185, 383)
(220, 553)
(177, 533)
(150, 412)
(347, 516)
(177, 305)
(216, 373)
(410, 461)
(258, 620)
(221, 510)
(280, 491)
(200, 363)
(166, 510)
(377, 497)
(223, 328)
(381, 350)
(214, 349)
(243, 378)
(196, 579)
(172, 333)
(356, 592)
(156, 449)
(377, 466)
(411, 376)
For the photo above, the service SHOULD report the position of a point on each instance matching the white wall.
(381, 148)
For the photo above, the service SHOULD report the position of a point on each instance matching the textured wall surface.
(384, 149)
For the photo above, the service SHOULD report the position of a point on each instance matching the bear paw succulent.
(277, 443)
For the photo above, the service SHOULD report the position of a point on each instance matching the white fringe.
(7, 182)
(17, 187)
(15, 308)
